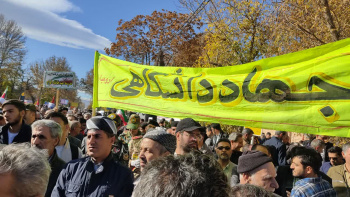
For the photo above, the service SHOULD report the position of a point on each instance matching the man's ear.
(22, 113)
(57, 141)
(113, 139)
(177, 135)
(309, 170)
(246, 178)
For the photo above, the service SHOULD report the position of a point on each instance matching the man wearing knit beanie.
(156, 143)
(256, 168)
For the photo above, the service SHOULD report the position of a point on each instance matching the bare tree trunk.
(329, 18)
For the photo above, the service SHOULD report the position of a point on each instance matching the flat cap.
(251, 160)
(163, 138)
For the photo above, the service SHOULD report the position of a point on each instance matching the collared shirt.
(230, 170)
(79, 178)
(65, 153)
(315, 187)
(339, 175)
(347, 174)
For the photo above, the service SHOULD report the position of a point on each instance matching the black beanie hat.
(251, 160)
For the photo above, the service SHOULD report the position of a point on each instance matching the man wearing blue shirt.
(335, 159)
(305, 165)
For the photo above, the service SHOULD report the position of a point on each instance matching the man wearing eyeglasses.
(223, 151)
(188, 132)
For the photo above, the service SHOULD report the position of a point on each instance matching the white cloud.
(39, 20)
(56, 6)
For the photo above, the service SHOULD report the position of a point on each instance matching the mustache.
(144, 160)
(36, 146)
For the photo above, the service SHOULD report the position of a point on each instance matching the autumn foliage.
(163, 38)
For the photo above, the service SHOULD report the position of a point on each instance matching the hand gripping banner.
(306, 91)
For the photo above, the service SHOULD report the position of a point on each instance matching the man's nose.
(274, 184)
(91, 140)
(35, 140)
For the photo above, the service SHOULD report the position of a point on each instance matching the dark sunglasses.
(224, 147)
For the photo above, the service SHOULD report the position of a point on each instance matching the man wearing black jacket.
(15, 130)
(98, 174)
(46, 134)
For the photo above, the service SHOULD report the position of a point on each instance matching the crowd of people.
(60, 152)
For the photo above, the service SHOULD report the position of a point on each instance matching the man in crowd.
(135, 141)
(87, 116)
(336, 158)
(30, 115)
(162, 123)
(340, 174)
(268, 136)
(247, 135)
(143, 127)
(305, 165)
(71, 117)
(223, 151)
(218, 133)
(15, 177)
(309, 138)
(188, 132)
(63, 110)
(46, 135)
(82, 126)
(202, 147)
(278, 147)
(155, 144)
(120, 151)
(98, 174)
(318, 145)
(172, 129)
(236, 140)
(328, 145)
(15, 130)
(67, 149)
(74, 130)
(256, 168)
(194, 175)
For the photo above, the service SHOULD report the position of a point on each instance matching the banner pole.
(57, 97)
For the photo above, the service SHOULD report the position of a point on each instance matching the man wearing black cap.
(98, 174)
(172, 129)
(187, 136)
(15, 129)
(256, 168)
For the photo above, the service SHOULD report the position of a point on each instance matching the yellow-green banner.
(306, 91)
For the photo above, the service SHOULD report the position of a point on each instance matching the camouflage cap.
(115, 118)
(134, 122)
(30, 107)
